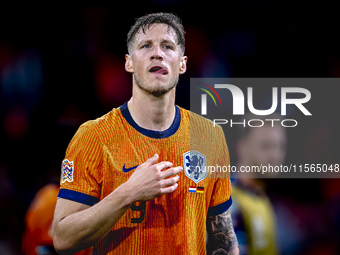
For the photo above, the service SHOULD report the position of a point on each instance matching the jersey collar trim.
(151, 133)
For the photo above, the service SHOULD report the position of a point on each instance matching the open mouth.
(158, 69)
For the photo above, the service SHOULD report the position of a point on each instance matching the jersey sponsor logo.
(67, 171)
(195, 165)
(125, 170)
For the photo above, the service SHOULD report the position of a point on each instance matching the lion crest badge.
(195, 164)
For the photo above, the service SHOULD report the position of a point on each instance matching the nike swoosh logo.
(125, 170)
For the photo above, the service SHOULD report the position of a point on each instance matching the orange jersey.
(104, 153)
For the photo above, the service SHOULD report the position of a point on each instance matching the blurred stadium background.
(62, 64)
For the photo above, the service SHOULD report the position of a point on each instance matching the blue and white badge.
(195, 164)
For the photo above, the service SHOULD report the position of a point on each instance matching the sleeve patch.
(78, 197)
(218, 209)
(67, 171)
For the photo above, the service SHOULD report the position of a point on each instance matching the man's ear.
(128, 63)
(183, 65)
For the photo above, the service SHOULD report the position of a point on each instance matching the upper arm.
(81, 174)
(221, 235)
(65, 207)
(80, 184)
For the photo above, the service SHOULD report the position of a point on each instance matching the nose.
(156, 54)
(157, 57)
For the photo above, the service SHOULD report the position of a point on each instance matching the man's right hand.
(149, 180)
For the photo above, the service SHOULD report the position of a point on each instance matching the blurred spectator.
(252, 212)
(37, 239)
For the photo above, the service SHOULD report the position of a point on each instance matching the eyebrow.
(150, 41)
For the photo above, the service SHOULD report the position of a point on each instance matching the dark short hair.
(162, 17)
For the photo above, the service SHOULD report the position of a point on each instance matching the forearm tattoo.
(221, 235)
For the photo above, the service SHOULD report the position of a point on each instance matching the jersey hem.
(78, 197)
(221, 208)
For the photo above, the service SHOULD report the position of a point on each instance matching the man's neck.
(153, 113)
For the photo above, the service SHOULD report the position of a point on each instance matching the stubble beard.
(156, 90)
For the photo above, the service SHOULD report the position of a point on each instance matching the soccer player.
(123, 188)
(252, 212)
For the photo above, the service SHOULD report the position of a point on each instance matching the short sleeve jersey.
(104, 153)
